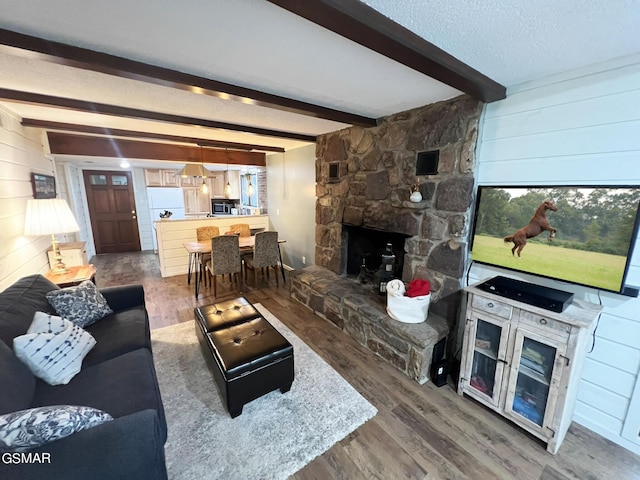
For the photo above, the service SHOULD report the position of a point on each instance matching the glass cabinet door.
(486, 354)
(533, 381)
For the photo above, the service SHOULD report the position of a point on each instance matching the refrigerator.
(161, 199)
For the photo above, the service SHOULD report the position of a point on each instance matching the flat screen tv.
(578, 234)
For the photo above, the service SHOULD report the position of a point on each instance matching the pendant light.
(227, 188)
(205, 188)
(249, 185)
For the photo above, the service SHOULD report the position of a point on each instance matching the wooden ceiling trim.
(117, 132)
(63, 54)
(118, 111)
(91, 146)
(362, 24)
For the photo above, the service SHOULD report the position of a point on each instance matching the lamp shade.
(49, 216)
(195, 170)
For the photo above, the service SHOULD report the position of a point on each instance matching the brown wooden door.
(112, 209)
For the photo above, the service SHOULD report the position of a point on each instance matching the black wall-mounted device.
(427, 162)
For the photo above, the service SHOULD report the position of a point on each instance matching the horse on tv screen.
(538, 224)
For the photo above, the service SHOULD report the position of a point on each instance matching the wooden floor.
(420, 432)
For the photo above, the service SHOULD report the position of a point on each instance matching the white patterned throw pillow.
(37, 426)
(83, 304)
(53, 348)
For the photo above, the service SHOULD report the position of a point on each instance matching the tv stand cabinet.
(524, 362)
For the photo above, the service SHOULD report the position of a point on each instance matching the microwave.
(220, 208)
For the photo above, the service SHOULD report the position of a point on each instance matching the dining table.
(195, 249)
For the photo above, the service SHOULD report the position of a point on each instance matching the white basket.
(408, 309)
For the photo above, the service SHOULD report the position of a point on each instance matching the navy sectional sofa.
(118, 376)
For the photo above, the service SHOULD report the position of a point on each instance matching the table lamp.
(50, 216)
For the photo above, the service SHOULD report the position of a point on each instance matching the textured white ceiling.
(515, 41)
(255, 44)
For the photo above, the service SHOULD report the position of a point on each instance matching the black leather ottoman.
(224, 314)
(248, 357)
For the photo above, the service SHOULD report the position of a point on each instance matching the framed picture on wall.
(44, 186)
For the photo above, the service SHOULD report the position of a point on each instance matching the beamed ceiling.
(228, 82)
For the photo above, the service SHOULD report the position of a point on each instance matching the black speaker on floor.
(439, 365)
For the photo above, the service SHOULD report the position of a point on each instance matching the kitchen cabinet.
(524, 362)
(217, 184)
(196, 202)
(156, 177)
(170, 179)
(189, 181)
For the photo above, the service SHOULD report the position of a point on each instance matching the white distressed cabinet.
(524, 362)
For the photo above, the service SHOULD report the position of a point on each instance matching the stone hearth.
(361, 314)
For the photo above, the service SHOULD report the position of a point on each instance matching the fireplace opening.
(367, 245)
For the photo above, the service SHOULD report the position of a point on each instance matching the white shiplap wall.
(582, 127)
(21, 152)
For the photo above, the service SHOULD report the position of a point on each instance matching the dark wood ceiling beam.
(362, 24)
(84, 145)
(63, 54)
(118, 111)
(117, 132)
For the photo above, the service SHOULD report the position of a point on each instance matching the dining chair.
(225, 259)
(207, 233)
(241, 229)
(265, 255)
(204, 234)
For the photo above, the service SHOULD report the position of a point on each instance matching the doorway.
(112, 209)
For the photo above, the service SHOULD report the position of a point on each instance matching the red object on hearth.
(418, 288)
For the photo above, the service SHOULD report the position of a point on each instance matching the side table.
(75, 276)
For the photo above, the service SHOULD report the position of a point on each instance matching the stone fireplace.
(376, 171)
(364, 177)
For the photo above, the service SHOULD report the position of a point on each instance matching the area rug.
(275, 436)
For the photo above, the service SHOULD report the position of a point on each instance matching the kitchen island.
(172, 234)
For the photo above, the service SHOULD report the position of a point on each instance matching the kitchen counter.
(204, 217)
(171, 234)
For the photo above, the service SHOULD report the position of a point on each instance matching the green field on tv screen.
(604, 270)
